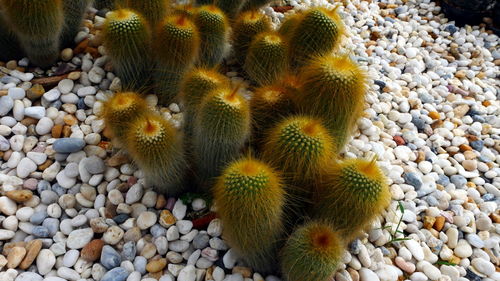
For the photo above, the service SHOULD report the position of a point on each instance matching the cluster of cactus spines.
(127, 39)
(300, 146)
(351, 195)
(153, 10)
(334, 89)
(38, 26)
(221, 128)
(214, 31)
(156, 146)
(312, 253)
(9, 44)
(267, 58)
(318, 32)
(74, 11)
(196, 84)
(177, 45)
(247, 26)
(250, 197)
(119, 111)
(269, 105)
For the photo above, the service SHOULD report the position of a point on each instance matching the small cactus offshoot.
(120, 110)
(38, 26)
(312, 253)
(266, 60)
(177, 46)
(334, 89)
(221, 128)
(247, 26)
(197, 83)
(213, 27)
(249, 197)
(156, 146)
(352, 193)
(127, 39)
(318, 33)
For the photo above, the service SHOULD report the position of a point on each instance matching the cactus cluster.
(39, 29)
(292, 202)
(270, 154)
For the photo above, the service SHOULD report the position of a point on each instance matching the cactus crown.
(124, 22)
(181, 34)
(248, 177)
(364, 177)
(150, 135)
(337, 72)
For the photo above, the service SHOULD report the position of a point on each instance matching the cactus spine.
(312, 253)
(213, 27)
(196, 84)
(352, 193)
(127, 40)
(38, 25)
(177, 46)
(74, 10)
(267, 58)
(288, 26)
(221, 128)
(334, 89)
(120, 110)
(152, 10)
(318, 33)
(247, 26)
(157, 148)
(249, 197)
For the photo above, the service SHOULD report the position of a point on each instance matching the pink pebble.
(404, 265)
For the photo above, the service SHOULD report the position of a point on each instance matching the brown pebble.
(15, 257)
(244, 271)
(9, 246)
(469, 165)
(45, 165)
(35, 92)
(439, 224)
(133, 234)
(49, 81)
(32, 249)
(92, 251)
(70, 120)
(434, 115)
(66, 131)
(166, 218)
(57, 130)
(495, 217)
(465, 147)
(156, 265)
(354, 274)
(80, 48)
(399, 140)
(117, 160)
(29, 121)
(19, 196)
(429, 222)
(461, 110)
(161, 202)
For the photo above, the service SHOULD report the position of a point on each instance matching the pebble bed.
(73, 209)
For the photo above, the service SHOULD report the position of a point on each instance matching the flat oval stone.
(68, 145)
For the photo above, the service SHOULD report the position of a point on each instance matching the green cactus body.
(351, 195)
(38, 25)
(197, 83)
(157, 148)
(318, 33)
(334, 89)
(221, 128)
(177, 46)
(269, 105)
(230, 7)
(119, 111)
(255, 4)
(267, 58)
(288, 26)
(127, 39)
(300, 146)
(312, 253)
(247, 26)
(74, 10)
(152, 10)
(249, 197)
(213, 27)
(9, 44)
